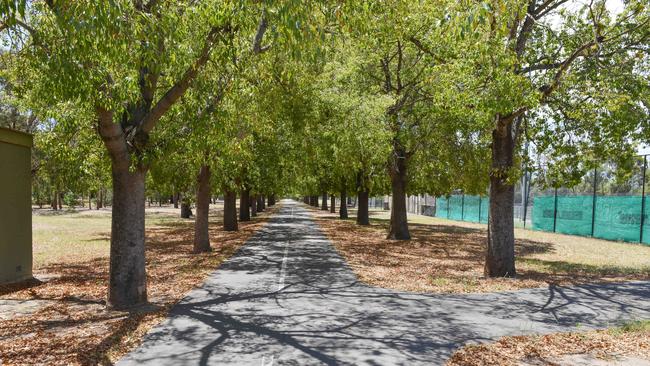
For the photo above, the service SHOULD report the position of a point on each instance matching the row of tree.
(338, 97)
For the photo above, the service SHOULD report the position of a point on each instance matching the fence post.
(645, 164)
(593, 204)
(555, 211)
(448, 199)
(462, 207)
(526, 189)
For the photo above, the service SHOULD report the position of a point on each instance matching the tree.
(562, 75)
(128, 63)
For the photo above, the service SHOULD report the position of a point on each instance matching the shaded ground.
(71, 325)
(288, 298)
(627, 345)
(443, 257)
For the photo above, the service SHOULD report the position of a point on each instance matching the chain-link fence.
(605, 204)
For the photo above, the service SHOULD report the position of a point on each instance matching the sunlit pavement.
(287, 298)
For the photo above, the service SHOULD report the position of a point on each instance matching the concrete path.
(288, 298)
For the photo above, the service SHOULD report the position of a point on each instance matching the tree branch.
(418, 44)
(259, 36)
(113, 135)
(547, 66)
(548, 89)
(178, 89)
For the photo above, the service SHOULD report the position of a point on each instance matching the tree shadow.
(322, 314)
(76, 296)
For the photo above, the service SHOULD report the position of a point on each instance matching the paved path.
(288, 298)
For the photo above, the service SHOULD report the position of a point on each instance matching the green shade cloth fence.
(463, 208)
(614, 217)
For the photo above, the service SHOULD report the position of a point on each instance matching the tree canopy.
(167, 98)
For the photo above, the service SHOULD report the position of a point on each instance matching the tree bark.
(201, 225)
(230, 211)
(333, 204)
(127, 278)
(175, 200)
(343, 211)
(59, 200)
(253, 205)
(186, 209)
(263, 202)
(260, 204)
(500, 254)
(398, 229)
(314, 201)
(55, 205)
(244, 205)
(324, 202)
(362, 208)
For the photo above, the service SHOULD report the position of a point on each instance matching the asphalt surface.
(288, 298)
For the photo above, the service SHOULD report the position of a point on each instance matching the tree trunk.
(55, 205)
(253, 205)
(201, 225)
(100, 199)
(230, 211)
(500, 255)
(175, 199)
(59, 200)
(333, 204)
(314, 201)
(362, 208)
(260, 205)
(263, 201)
(244, 205)
(272, 200)
(127, 278)
(186, 209)
(343, 211)
(90, 201)
(398, 229)
(324, 202)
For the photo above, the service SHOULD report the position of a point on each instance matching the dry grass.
(73, 327)
(630, 340)
(447, 257)
(85, 233)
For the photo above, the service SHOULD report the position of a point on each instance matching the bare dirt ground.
(63, 319)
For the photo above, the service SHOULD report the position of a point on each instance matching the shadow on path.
(288, 298)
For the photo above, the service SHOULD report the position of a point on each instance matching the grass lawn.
(86, 233)
(629, 343)
(447, 256)
(63, 319)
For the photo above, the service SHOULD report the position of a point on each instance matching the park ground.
(61, 318)
(446, 256)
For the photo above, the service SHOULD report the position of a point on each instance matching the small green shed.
(15, 206)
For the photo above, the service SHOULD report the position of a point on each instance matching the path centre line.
(283, 268)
